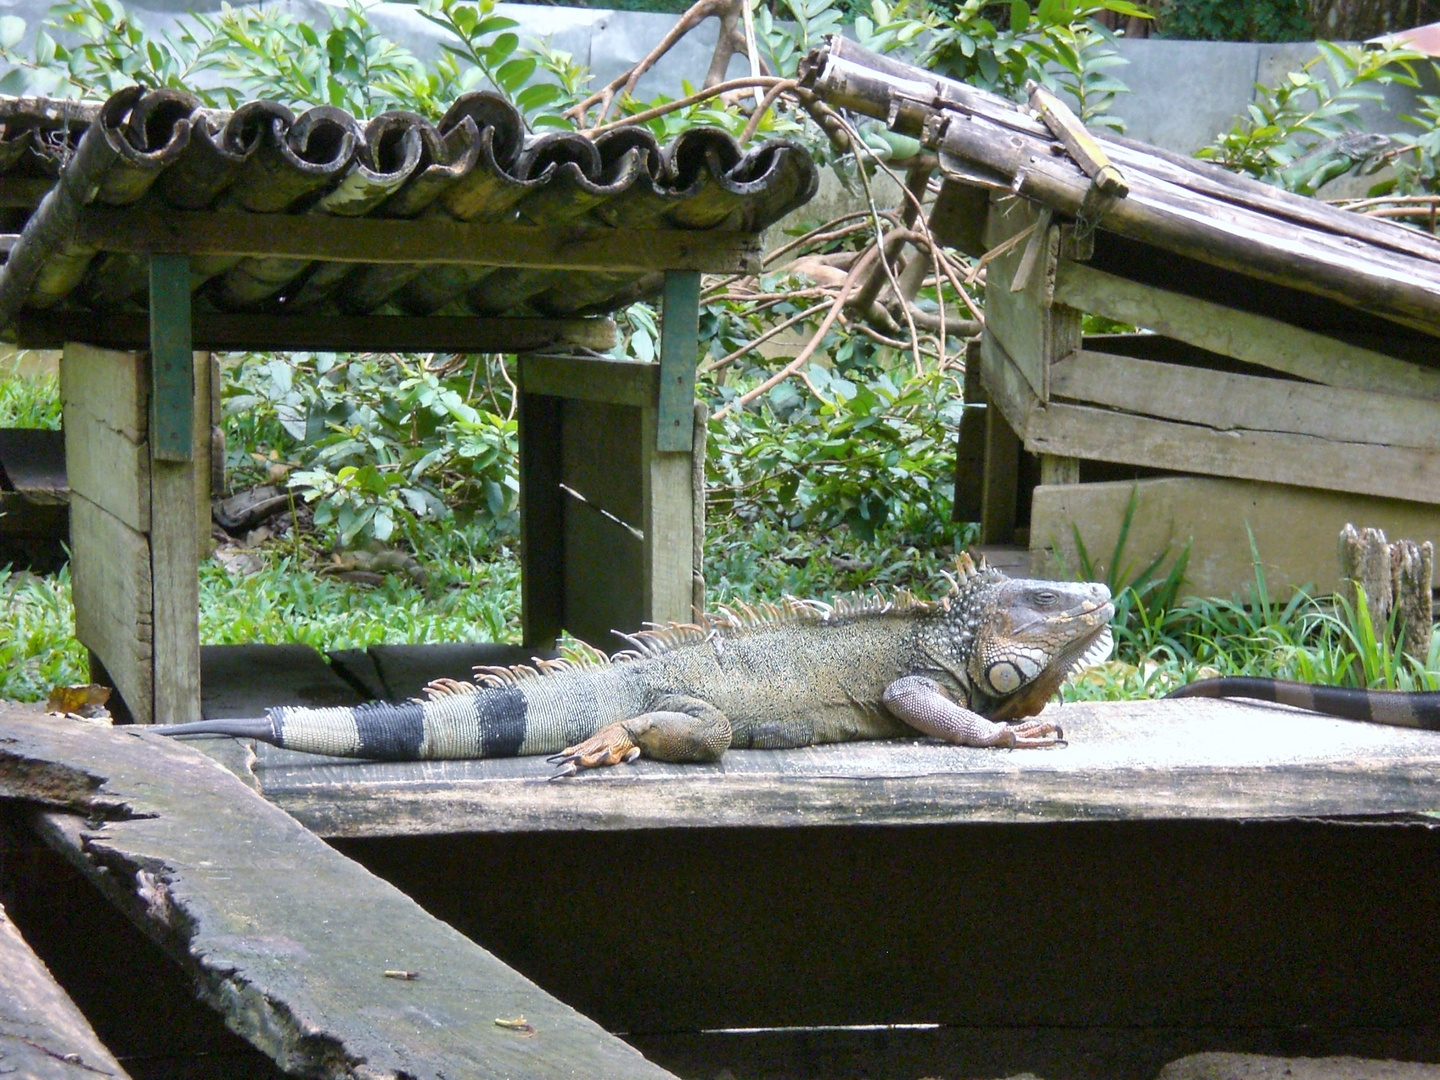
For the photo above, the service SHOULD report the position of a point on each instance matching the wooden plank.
(406, 669)
(1294, 529)
(287, 938)
(1125, 761)
(607, 582)
(957, 217)
(105, 400)
(1252, 338)
(206, 381)
(1278, 457)
(1059, 470)
(245, 680)
(679, 337)
(586, 378)
(669, 532)
(255, 332)
(542, 521)
(1229, 402)
(43, 1036)
(32, 462)
(112, 594)
(422, 241)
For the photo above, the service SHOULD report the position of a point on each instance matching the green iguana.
(967, 669)
(1399, 708)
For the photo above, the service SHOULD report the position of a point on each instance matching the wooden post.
(175, 445)
(1002, 480)
(679, 342)
(1059, 470)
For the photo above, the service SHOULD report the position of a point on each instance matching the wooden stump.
(1395, 578)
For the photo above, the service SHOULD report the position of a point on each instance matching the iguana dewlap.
(967, 669)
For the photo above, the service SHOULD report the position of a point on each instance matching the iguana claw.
(611, 745)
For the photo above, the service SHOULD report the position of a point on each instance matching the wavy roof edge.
(478, 164)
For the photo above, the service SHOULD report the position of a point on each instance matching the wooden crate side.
(1294, 529)
(1231, 402)
(111, 591)
(1278, 457)
(105, 397)
(1252, 338)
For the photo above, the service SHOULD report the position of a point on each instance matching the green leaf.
(1019, 16)
(12, 29)
(514, 73)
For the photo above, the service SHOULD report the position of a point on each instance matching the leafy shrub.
(1236, 20)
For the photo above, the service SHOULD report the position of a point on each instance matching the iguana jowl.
(968, 669)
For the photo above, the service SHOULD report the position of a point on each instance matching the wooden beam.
(425, 241)
(105, 397)
(43, 1036)
(217, 332)
(679, 337)
(1252, 338)
(298, 947)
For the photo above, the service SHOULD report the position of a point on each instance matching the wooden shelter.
(147, 232)
(1285, 379)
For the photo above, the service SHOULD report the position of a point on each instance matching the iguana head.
(1015, 641)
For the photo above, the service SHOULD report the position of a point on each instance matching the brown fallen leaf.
(86, 700)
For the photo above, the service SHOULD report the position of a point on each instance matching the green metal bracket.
(679, 337)
(172, 365)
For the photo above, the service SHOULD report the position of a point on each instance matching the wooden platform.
(1125, 761)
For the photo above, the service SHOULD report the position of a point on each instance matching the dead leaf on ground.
(519, 1025)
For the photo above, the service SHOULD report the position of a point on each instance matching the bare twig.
(753, 124)
(778, 328)
(684, 103)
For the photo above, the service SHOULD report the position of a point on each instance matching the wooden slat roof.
(323, 212)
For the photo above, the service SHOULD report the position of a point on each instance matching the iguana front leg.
(679, 728)
(921, 703)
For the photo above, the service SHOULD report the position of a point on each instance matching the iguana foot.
(921, 703)
(611, 745)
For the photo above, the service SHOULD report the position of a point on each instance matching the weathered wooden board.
(669, 531)
(338, 333)
(43, 1036)
(1142, 759)
(1230, 402)
(174, 568)
(405, 669)
(243, 680)
(1033, 329)
(105, 397)
(1277, 457)
(1245, 336)
(1294, 529)
(32, 461)
(1281, 457)
(287, 938)
(614, 382)
(424, 241)
(111, 590)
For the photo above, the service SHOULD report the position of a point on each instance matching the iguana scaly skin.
(994, 651)
(1399, 708)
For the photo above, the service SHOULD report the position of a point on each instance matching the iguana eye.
(1044, 598)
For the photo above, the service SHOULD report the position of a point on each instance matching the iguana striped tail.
(1400, 708)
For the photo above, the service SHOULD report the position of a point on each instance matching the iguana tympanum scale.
(968, 669)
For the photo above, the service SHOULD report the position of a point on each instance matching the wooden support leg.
(670, 506)
(542, 521)
(1002, 480)
(175, 436)
(1059, 470)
